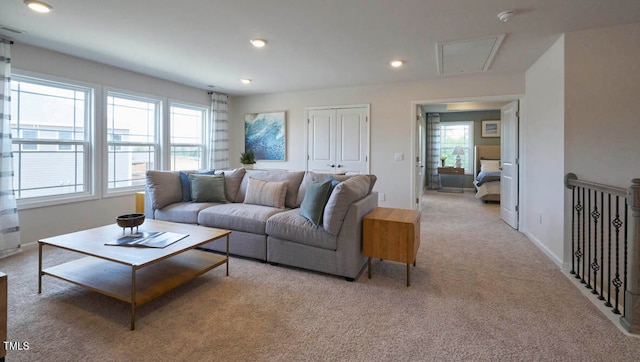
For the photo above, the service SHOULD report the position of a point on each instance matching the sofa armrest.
(349, 243)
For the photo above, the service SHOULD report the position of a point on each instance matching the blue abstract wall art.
(265, 135)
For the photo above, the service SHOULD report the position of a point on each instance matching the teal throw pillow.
(207, 188)
(315, 198)
(186, 184)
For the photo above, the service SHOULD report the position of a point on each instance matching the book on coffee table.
(148, 239)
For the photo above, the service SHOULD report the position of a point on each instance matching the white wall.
(602, 104)
(543, 153)
(391, 123)
(37, 223)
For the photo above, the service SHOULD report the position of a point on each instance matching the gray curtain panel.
(9, 226)
(432, 161)
(219, 136)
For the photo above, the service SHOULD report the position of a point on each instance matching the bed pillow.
(489, 165)
(266, 193)
(315, 199)
(207, 188)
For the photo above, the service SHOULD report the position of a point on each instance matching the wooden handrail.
(571, 181)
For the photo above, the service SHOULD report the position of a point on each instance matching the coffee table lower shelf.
(136, 285)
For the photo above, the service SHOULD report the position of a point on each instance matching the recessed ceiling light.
(245, 80)
(38, 6)
(396, 63)
(258, 43)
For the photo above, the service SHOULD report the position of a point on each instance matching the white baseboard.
(554, 258)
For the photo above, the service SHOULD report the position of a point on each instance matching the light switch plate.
(399, 156)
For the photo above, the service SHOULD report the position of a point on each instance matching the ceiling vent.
(11, 30)
(467, 56)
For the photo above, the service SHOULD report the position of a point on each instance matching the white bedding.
(488, 188)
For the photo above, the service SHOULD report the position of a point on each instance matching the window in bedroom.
(452, 135)
(50, 125)
(187, 136)
(132, 139)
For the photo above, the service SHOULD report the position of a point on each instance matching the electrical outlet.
(399, 156)
(381, 196)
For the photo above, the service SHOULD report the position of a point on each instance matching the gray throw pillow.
(163, 188)
(207, 188)
(232, 181)
(266, 193)
(342, 196)
(315, 199)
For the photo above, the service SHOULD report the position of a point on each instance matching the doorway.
(509, 141)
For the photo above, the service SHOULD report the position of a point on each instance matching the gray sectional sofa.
(262, 209)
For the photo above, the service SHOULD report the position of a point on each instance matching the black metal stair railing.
(604, 244)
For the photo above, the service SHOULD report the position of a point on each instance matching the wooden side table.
(140, 202)
(391, 234)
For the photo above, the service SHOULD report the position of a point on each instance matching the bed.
(487, 173)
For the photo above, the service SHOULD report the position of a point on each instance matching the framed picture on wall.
(491, 128)
(265, 135)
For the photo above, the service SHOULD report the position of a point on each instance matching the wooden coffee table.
(134, 275)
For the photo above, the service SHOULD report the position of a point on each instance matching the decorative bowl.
(130, 220)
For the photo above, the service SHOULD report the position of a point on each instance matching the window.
(457, 134)
(29, 135)
(64, 135)
(186, 130)
(132, 141)
(47, 164)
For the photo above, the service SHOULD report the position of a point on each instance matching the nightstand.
(459, 171)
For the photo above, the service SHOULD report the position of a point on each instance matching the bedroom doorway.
(509, 140)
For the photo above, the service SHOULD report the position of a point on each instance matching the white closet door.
(352, 141)
(338, 140)
(321, 149)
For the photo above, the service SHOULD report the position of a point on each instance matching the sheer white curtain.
(433, 150)
(219, 136)
(9, 228)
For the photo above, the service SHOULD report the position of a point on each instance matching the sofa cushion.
(311, 176)
(341, 198)
(183, 212)
(312, 207)
(207, 188)
(294, 178)
(186, 184)
(163, 188)
(232, 181)
(241, 217)
(266, 193)
(290, 225)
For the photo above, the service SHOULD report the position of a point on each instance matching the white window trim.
(468, 169)
(159, 140)
(91, 161)
(204, 164)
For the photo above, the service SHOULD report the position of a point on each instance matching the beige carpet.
(480, 291)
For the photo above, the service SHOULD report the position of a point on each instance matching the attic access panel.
(467, 56)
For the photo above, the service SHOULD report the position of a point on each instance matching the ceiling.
(313, 44)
